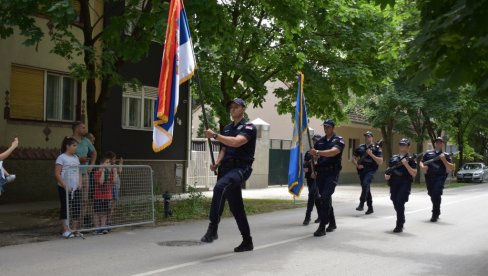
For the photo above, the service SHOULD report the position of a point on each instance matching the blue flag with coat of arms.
(295, 169)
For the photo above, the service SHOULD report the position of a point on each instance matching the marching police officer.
(234, 163)
(312, 186)
(436, 174)
(329, 152)
(400, 173)
(371, 157)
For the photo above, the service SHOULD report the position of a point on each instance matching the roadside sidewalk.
(38, 221)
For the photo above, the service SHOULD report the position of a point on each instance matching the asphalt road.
(362, 245)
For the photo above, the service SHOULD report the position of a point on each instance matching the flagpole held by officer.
(435, 174)
(234, 164)
(328, 150)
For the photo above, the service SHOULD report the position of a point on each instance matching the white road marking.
(223, 256)
(443, 204)
(218, 257)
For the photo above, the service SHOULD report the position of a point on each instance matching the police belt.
(435, 174)
(401, 178)
(231, 163)
(328, 168)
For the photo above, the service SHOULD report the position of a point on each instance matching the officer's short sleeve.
(392, 162)
(356, 152)
(339, 143)
(448, 157)
(412, 163)
(378, 152)
(248, 131)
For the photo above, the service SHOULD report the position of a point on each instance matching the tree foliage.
(129, 27)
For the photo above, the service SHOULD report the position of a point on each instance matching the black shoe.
(317, 220)
(320, 232)
(369, 211)
(398, 229)
(306, 221)
(434, 218)
(331, 228)
(211, 235)
(360, 207)
(246, 245)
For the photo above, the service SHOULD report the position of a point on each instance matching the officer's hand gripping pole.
(204, 114)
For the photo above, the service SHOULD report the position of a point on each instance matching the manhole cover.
(180, 243)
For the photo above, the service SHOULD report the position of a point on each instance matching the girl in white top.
(67, 174)
(5, 177)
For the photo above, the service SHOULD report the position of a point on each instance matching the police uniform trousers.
(312, 197)
(326, 184)
(228, 187)
(399, 193)
(435, 187)
(366, 178)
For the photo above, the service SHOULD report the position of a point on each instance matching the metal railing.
(199, 174)
(108, 196)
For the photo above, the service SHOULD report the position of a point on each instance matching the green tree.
(212, 123)
(129, 28)
(452, 43)
(243, 44)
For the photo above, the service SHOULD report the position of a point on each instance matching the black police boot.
(360, 207)
(246, 245)
(398, 228)
(331, 228)
(211, 234)
(307, 220)
(317, 220)
(320, 231)
(434, 217)
(370, 210)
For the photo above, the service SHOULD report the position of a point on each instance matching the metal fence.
(106, 196)
(199, 174)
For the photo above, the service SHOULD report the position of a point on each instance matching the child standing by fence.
(67, 174)
(5, 177)
(104, 179)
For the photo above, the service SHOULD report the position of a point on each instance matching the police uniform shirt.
(307, 163)
(368, 162)
(401, 172)
(436, 167)
(245, 152)
(324, 144)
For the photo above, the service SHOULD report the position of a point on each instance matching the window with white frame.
(60, 97)
(138, 107)
(40, 95)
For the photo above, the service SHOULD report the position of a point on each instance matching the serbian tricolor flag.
(178, 65)
(295, 167)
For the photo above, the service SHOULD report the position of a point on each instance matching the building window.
(138, 107)
(41, 95)
(353, 144)
(60, 98)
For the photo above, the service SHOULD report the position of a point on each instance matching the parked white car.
(473, 172)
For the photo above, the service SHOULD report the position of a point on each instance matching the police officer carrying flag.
(438, 162)
(328, 150)
(234, 163)
(367, 158)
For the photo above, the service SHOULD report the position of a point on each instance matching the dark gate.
(279, 159)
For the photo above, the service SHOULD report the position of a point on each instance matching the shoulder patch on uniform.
(249, 126)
